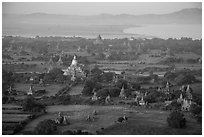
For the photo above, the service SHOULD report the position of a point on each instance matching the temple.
(98, 40)
(60, 62)
(74, 69)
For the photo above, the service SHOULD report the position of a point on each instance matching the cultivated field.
(12, 116)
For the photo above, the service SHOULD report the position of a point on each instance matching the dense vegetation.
(176, 120)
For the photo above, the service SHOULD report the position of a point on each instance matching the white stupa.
(30, 91)
(74, 68)
(122, 92)
(74, 61)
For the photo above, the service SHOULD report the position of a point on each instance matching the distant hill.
(54, 22)
(185, 16)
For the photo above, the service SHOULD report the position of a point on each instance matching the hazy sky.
(88, 8)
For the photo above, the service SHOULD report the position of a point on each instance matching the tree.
(96, 71)
(176, 120)
(196, 109)
(136, 86)
(46, 127)
(55, 75)
(121, 82)
(7, 81)
(65, 99)
(107, 77)
(174, 106)
(89, 85)
(170, 76)
(29, 104)
(185, 79)
(114, 91)
(154, 96)
(102, 93)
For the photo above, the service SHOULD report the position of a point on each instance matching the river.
(166, 31)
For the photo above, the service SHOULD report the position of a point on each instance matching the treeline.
(49, 44)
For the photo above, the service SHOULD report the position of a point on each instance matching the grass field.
(197, 87)
(188, 55)
(140, 121)
(76, 90)
(152, 125)
(188, 66)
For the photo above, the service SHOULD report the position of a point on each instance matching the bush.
(176, 120)
(46, 127)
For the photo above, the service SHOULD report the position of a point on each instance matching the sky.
(90, 8)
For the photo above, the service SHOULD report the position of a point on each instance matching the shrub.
(46, 127)
(176, 120)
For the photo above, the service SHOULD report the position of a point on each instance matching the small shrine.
(30, 91)
(122, 93)
(142, 102)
